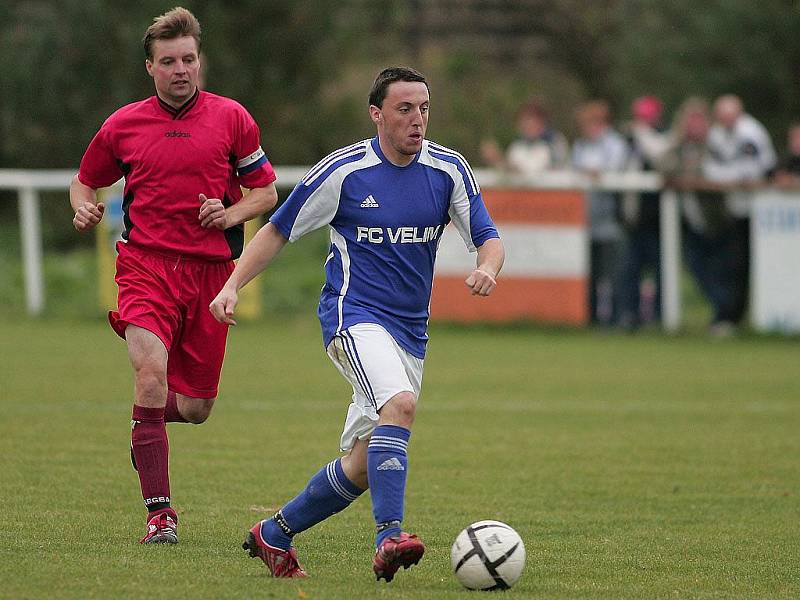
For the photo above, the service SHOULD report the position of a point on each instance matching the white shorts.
(378, 369)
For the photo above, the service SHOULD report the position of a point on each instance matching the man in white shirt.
(741, 155)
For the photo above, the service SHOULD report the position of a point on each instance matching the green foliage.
(682, 48)
(632, 467)
(304, 67)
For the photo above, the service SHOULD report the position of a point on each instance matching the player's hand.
(223, 305)
(480, 283)
(212, 213)
(87, 216)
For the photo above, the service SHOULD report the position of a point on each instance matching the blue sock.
(327, 492)
(387, 464)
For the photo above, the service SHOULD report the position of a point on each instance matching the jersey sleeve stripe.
(357, 154)
(326, 162)
(340, 243)
(466, 172)
(462, 163)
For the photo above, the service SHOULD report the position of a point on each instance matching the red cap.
(647, 108)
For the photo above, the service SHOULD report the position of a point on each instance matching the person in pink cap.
(640, 268)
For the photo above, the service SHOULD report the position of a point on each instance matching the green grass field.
(633, 467)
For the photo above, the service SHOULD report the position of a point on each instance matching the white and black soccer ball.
(488, 555)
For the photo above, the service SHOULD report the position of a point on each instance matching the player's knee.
(151, 380)
(197, 417)
(193, 417)
(196, 411)
(400, 410)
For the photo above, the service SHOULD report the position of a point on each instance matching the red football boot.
(161, 529)
(281, 563)
(402, 550)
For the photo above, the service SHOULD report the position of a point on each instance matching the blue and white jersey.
(385, 225)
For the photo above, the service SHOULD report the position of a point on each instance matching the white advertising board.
(775, 261)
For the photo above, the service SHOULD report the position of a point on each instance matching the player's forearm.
(254, 203)
(491, 256)
(80, 194)
(257, 255)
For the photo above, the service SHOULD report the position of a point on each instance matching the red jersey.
(168, 156)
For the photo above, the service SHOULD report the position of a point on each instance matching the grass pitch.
(633, 467)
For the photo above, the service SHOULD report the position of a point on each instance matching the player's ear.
(148, 66)
(375, 114)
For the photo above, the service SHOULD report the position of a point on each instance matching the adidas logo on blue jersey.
(392, 464)
(370, 202)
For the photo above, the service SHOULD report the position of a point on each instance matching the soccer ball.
(488, 555)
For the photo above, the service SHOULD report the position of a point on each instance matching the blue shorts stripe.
(359, 375)
(338, 338)
(355, 362)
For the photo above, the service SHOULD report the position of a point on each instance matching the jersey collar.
(376, 147)
(183, 110)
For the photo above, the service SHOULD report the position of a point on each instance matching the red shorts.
(169, 296)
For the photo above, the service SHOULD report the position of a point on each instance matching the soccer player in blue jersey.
(386, 201)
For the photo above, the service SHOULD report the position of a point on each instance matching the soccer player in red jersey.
(185, 155)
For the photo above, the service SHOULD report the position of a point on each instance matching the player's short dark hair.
(174, 23)
(389, 76)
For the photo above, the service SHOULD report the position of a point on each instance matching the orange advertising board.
(545, 276)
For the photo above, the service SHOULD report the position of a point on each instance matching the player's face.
(175, 69)
(402, 120)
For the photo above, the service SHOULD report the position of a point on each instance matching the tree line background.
(303, 67)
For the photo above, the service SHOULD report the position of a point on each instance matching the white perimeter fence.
(28, 184)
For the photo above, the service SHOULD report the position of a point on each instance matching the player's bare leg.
(387, 463)
(148, 358)
(354, 464)
(149, 445)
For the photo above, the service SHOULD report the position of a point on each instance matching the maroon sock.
(171, 412)
(151, 450)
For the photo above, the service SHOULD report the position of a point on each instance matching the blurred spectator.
(740, 156)
(707, 225)
(600, 149)
(640, 214)
(538, 146)
(788, 173)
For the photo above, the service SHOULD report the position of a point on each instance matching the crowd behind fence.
(712, 158)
